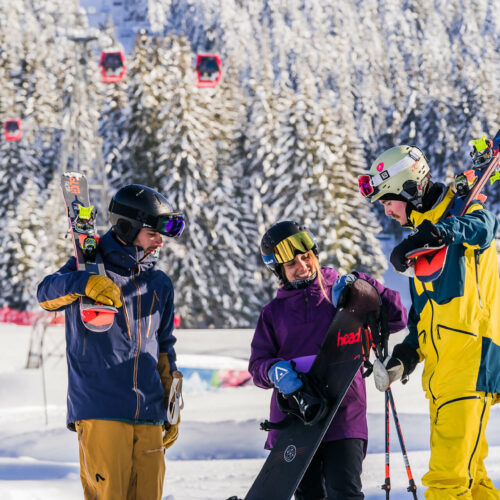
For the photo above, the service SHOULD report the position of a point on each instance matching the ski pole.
(412, 488)
(387, 483)
(378, 350)
(380, 353)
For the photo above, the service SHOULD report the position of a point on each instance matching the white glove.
(386, 373)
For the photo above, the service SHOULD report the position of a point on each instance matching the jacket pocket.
(444, 332)
(451, 401)
(458, 357)
(454, 343)
(422, 342)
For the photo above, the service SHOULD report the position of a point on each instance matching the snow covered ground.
(219, 450)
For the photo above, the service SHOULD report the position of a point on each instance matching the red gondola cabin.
(112, 66)
(208, 70)
(12, 130)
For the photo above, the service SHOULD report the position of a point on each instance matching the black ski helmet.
(134, 207)
(282, 242)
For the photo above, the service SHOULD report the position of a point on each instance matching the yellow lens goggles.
(286, 250)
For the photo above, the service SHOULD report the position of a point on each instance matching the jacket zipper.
(306, 301)
(139, 339)
(432, 340)
(155, 297)
(127, 321)
(476, 262)
(84, 348)
(423, 334)
(454, 330)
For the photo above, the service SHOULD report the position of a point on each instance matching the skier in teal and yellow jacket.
(453, 321)
(119, 381)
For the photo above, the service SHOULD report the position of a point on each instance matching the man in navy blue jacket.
(119, 381)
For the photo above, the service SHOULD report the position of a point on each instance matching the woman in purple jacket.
(292, 326)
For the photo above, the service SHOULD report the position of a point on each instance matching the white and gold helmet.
(400, 173)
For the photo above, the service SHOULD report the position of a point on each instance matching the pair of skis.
(428, 263)
(81, 218)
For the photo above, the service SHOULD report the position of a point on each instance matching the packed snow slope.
(219, 451)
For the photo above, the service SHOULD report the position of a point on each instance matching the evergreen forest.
(311, 92)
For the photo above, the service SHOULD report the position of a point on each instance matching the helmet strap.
(414, 192)
(412, 199)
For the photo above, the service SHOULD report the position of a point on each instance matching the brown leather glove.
(103, 290)
(170, 434)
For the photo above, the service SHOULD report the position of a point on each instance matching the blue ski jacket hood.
(292, 326)
(114, 375)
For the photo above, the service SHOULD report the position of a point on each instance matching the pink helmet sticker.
(380, 166)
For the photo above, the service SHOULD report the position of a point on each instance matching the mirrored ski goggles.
(365, 186)
(171, 225)
(286, 250)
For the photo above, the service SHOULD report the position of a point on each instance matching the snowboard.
(81, 217)
(345, 346)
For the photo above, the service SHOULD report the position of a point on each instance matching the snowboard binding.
(309, 403)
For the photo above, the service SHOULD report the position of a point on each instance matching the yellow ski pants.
(120, 461)
(458, 449)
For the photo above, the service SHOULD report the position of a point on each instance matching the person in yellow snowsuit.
(453, 321)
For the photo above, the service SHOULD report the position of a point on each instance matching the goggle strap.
(413, 156)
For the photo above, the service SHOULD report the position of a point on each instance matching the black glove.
(407, 355)
(427, 235)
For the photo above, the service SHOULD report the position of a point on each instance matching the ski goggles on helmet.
(365, 186)
(170, 225)
(286, 249)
